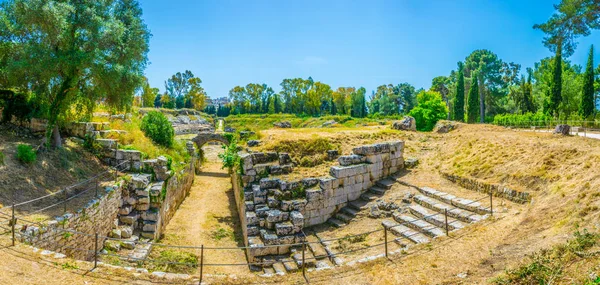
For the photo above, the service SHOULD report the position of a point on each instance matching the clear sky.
(341, 43)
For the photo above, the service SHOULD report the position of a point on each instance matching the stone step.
(315, 246)
(326, 246)
(349, 211)
(368, 196)
(454, 212)
(358, 205)
(458, 202)
(279, 268)
(406, 232)
(290, 265)
(269, 270)
(336, 223)
(419, 225)
(385, 183)
(308, 257)
(323, 264)
(377, 190)
(435, 218)
(343, 217)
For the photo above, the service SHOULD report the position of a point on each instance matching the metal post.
(385, 240)
(65, 201)
(12, 224)
(491, 205)
(201, 263)
(96, 251)
(304, 262)
(446, 218)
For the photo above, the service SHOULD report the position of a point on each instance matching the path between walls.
(208, 217)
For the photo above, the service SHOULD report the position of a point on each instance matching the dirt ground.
(208, 217)
(51, 172)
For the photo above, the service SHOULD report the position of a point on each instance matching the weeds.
(548, 265)
(1, 158)
(222, 233)
(26, 154)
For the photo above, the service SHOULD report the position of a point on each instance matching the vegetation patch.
(306, 152)
(170, 260)
(158, 128)
(25, 153)
(1, 158)
(548, 265)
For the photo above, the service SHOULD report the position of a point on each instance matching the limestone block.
(251, 218)
(156, 189)
(151, 214)
(257, 190)
(261, 210)
(267, 183)
(287, 239)
(284, 228)
(149, 226)
(272, 202)
(284, 159)
(129, 219)
(148, 235)
(140, 181)
(268, 237)
(125, 210)
(252, 230)
(142, 207)
(260, 199)
(309, 182)
(251, 172)
(287, 168)
(249, 205)
(112, 245)
(297, 218)
(143, 200)
(346, 160)
(128, 244)
(326, 183)
(314, 194)
(115, 233)
(126, 232)
(119, 155)
(248, 195)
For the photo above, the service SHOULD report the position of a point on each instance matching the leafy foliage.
(526, 119)
(473, 102)
(587, 106)
(15, 105)
(25, 153)
(158, 128)
(184, 91)
(459, 100)
(230, 157)
(1, 158)
(83, 50)
(429, 110)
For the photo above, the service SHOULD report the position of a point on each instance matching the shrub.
(158, 128)
(1, 158)
(25, 153)
(429, 110)
(15, 104)
(230, 157)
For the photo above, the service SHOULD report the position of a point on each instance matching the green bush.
(1, 158)
(523, 120)
(156, 126)
(429, 110)
(25, 153)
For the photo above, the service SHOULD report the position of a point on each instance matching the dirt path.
(208, 217)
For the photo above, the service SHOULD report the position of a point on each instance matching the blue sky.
(341, 43)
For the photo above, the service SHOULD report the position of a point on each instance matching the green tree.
(441, 84)
(157, 101)
(148, 94)
(459, 99)
(185, 89)
(73, 51)
(473, 100)
(587, 107)
(429, 110)
(556, 84)
(158, 128)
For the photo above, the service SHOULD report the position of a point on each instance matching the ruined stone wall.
(496, 189)
(96, 217)
(178, 188)
(276, 210)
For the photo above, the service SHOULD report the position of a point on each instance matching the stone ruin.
(274, 211)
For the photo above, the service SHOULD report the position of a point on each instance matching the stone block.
(151, 214)
(140, 181)
(267, 183)
(346, 160)
(251, 219)
(275, 216)
(297, 218)
(252, 230)
(284, 228)
(129, 219)
(249, 205)
(126, 232)
(149, 226)
(272, 202)
(142, 207)
(125, 210)
(314, 194)
(268, 237)
(261, 210)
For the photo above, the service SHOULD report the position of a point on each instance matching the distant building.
(217, 101)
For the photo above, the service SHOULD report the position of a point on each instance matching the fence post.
(65, 201)
(446, 218)
(13, 221)
(491, 205)
(385, 240)
(96, 187)
(96, 251)
(201, 263)
(304, 262)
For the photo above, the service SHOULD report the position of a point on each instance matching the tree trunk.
(56, 140)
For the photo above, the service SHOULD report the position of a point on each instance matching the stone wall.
(96, 217)
(276, 211)
(496, 189)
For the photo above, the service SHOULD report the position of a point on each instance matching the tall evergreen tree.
(473, 100)
(157, 102)
(459, 100)
(527, 97)
(586, 109)
(556, 84)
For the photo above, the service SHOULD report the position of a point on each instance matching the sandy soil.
(208, 217)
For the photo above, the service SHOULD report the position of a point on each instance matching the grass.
(1, 158)
(171, 260)
(549, 265)
(266, 121)
(135, 139)
(222, 233)
(305, 152)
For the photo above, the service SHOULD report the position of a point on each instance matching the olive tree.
(69, 51)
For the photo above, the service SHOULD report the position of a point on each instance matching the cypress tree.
(459, 100)
(527, 99)
(556, 85)
(473, 100)
(586, 109)
(157, 102)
